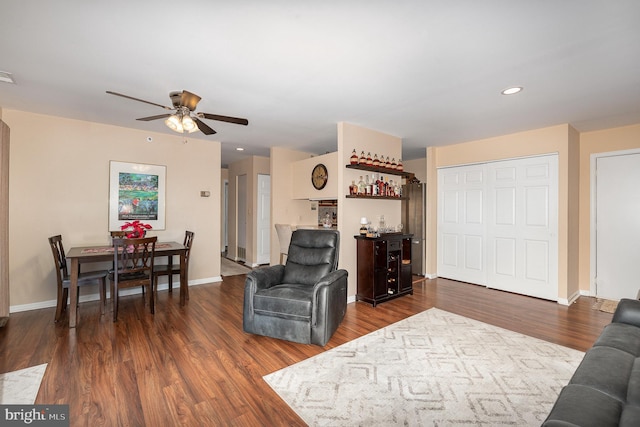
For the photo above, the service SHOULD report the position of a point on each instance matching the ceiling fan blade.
(189, 100)
(228, 119)
(203, 127)
(147, 119)
(139, 100)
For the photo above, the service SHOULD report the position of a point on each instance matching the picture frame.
(136, 192)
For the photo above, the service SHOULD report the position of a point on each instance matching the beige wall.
(350, 211)
(608, 140)
(284, 208)
(418, 167)
(59, 184)
(250, 167)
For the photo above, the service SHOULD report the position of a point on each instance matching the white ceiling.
(429, 72)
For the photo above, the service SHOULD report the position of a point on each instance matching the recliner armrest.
(331, 278)
(266, 277)
(628, 311)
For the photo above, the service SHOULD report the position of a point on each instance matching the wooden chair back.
(59, 258)
(133, 266)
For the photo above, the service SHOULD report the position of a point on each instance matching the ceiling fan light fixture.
(174, 123)
(188, 124)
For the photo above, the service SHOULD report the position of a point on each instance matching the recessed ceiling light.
(239, 149)
(6, 77)
(512, 90)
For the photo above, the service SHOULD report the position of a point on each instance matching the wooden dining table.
(92, 254)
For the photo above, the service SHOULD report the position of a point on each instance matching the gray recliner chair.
(303, 301)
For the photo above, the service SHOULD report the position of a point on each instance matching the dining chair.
(284, 237)
(133, 266)
(170, 271)
(63, 279)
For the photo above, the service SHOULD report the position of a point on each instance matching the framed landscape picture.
(136, 192)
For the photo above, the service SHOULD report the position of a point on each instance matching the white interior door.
(461, 228)
(241, 214)
(264, 219)
(522, 226)
(617, 226)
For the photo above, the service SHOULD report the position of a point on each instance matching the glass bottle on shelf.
(369, 159)
(376, 161)
(398, 189)
(353, 188)
(374, 184)
(387, 163)
(381, 186)
(400, 166)
(393, 165)
(362, 160)
(367, 186)
(361, 186)
(354, 158)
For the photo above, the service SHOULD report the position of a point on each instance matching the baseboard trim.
(163, 285)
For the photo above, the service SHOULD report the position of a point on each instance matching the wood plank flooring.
(194, 365)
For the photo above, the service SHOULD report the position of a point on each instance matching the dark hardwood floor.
(194, 365)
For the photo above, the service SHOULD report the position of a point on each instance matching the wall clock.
(319, 176)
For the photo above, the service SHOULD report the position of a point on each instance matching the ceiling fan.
(182, 120)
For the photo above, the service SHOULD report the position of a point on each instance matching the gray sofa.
(605, 389)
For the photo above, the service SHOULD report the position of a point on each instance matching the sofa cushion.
(292, 301)
(583, 406)
(607, 370)
(630, 416)
(633, 392)
(621, 336)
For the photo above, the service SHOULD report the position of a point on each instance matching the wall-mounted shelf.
(356, 196)
(380, 170)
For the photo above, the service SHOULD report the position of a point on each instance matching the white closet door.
(461, 228)
(522, 225)
(498, 225)
(617, 226)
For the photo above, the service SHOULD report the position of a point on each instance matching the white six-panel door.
(522, 226)
(617, 242)
(461, 224)
(497, 225)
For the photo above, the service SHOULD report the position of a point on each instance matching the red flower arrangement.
(138, 229)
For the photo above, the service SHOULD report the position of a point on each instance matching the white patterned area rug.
(432, 369)
(21, 387)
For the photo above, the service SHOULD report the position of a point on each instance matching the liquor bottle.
(376, 161)
(400, 166)
(362, 160)
(381, 186)
(354, 158)
(393, 165)
(374, 184)
(369, 159)
(361, 186)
